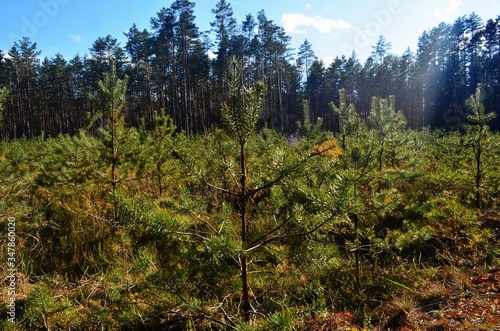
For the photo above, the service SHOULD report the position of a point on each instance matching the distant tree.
(474, 28)
(491, 65)
(186, 37)
(292, 94)
(305, 57)
(271, 57)
(404, 84)
(205, 112)
(55, 97)
(345, 73)
(4, 94)
(25, 62)
(381, 49)
(315, 89)
(80, 96)
(105, 53)
(140, 48)
(250, 44)
(224, 27)
(164, 64)
(382, 70)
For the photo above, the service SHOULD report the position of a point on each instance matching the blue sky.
(333, 27)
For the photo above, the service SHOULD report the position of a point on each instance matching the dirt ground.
(474, 307)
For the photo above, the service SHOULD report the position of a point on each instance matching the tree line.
(170, 67)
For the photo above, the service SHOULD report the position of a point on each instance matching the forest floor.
(458, 299)
(475, 307)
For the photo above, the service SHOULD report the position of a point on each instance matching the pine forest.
(158, 185)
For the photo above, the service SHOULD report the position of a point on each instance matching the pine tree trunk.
(478, 175)
(114, 157)
(244, 259)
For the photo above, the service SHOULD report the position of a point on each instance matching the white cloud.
(309, 6)
(453, 5)
(292, 22)
(76, 38)
(447, 11)
(327, 60)
(6, 55)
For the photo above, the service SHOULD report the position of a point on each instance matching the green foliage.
(153, 159)
(388, 125)
(308, 128)
(349, 121)
(42, 308)
(282, 320)
(478, 115)
(478, 136)
(384, 118)
(67, 160)
(159, 223)
(242, 110)
(120, 143)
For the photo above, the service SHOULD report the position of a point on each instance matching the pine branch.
(290, 235)
(285, 173)
(255, 243)
(191, 169)
(265, 239)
